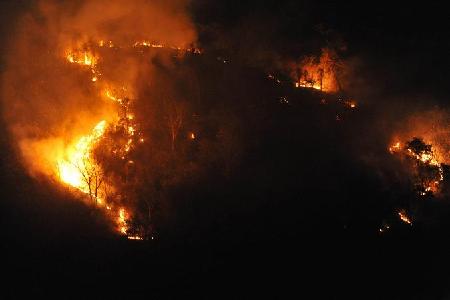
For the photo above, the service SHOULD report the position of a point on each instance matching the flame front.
(78, 167)
(78, 159)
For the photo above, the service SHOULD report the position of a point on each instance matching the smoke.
(432, 125)
(46, 101)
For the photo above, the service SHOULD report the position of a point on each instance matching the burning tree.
(428, 171)
(321, 73)
(79, 169)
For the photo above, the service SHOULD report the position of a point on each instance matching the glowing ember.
(404, 217)
(272, 77)
(121, 221)
(395, 147)
(350, 104)
(384, 228)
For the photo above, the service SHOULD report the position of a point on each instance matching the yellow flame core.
(78, 159)
(82, 58)
(121, 220)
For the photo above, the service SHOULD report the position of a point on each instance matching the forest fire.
(395, 147)
(118, 137)
(133, 85)
(81, 170)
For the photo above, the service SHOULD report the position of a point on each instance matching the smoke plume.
(47, 103)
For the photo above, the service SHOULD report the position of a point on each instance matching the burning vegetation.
(428, 175)
(320, 73)
(428, 172)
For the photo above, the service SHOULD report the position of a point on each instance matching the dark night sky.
(407, 42)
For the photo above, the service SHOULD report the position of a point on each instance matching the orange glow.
(395, 147)
(121, 221)
(82, 58)
(384, 228)
(404, 217)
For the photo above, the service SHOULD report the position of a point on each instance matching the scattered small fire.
(395, 147)
(350, 104)
(272, 77)
(385, 227)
